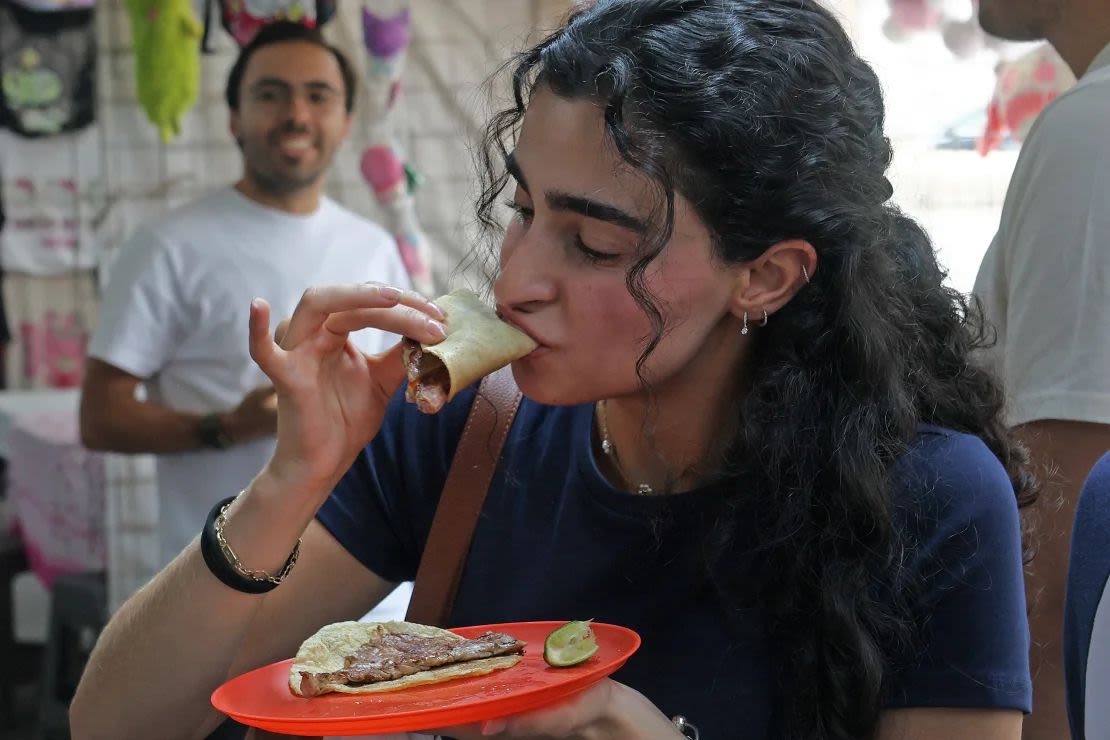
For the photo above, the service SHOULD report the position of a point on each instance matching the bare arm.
(927, 723)
(190, 626)
(1064, 453)
(215, 633)
(113, 419)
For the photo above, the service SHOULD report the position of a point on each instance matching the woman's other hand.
(606, 710)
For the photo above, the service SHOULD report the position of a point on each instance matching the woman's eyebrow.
(588, 207)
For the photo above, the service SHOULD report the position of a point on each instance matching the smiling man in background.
(174, 315)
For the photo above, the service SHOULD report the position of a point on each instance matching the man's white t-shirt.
(175, 313)
(1045, 281)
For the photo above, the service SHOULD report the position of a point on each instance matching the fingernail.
(438, 328)
(440, 311)
(494, 726)
(390, 293)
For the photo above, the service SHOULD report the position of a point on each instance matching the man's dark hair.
(276, 33)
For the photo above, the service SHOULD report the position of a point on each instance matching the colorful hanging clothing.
(54, 5)
(243, 18)
(1025, 86)
(52, 191)
(47, 70)
(167, 60)
(383, 166)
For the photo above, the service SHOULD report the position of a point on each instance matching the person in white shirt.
(175, 312)
(1045, 287)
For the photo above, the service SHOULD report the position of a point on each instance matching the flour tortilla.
(324, 653)
(478, 342)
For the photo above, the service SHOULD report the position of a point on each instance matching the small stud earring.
(744, 328)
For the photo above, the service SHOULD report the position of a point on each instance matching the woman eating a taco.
(751, 429)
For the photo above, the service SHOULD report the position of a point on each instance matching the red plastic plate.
(261, 698)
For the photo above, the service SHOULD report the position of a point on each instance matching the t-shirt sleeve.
(1057, 230)
(382, 508)
(141, 317)
(965, 558)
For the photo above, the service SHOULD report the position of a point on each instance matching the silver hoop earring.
(764, 318)
(805, 273)
(744, 328)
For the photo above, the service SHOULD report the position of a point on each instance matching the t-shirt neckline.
(274, 213)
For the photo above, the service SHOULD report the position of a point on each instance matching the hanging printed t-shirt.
(47, 70)
(52, 191)
(555, 541)
(243, 18)
(55, 5)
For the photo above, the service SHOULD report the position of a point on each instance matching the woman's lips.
(508, 318)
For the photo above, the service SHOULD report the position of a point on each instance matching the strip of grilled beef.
(395, 655)
(429, 380)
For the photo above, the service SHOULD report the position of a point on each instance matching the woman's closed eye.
(524, 214)
(593, 255)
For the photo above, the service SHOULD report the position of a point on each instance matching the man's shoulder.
(183, 219)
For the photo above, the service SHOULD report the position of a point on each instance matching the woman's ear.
(768, 282)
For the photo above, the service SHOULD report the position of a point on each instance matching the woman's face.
(564, 259)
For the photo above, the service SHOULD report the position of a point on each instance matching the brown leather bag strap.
(441, 565)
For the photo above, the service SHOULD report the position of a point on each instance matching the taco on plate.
(371, 657)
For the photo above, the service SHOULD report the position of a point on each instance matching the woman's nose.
(527, 279)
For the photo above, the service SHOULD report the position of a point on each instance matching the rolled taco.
(477, 343)
(372, 657)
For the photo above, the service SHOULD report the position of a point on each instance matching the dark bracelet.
(225, 565)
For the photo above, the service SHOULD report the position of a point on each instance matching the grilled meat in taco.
(478, 342)
(371, 657)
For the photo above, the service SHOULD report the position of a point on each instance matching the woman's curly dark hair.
(760, 113)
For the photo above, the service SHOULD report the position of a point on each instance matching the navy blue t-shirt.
(1088, 573)
(555, 541)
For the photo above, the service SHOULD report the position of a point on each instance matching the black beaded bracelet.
(223, 563)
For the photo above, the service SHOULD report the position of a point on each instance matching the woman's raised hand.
(332, 397)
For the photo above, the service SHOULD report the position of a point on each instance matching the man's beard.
(282, 184)
(274, 181)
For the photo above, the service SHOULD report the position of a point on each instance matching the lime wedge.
(570, 644)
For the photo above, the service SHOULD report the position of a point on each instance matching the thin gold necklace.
(611, 451)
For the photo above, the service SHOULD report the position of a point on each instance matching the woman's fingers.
(279, 331)
(318, 303)
(263, 350)
(406, 321)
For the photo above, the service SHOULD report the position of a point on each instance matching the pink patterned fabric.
(57, 489)
(1025, 86)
